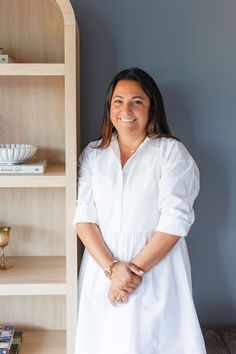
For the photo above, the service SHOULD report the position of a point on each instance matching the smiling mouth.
(127, 120)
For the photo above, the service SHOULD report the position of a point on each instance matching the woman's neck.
(130, 144)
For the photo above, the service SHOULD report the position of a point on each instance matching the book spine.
(16, 343)
(15, 348)
(21, 169)
(6, 338)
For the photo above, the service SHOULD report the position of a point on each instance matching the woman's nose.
(126, 107)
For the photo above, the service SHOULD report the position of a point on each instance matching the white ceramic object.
(16, 153)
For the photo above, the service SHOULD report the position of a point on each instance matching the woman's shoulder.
(92, 145)
(171, 148)
(89, 152)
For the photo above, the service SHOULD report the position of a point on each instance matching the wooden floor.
(220, 341)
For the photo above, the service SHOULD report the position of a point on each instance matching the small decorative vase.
(4, 239)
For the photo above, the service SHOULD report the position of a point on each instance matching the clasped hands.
(126, 277)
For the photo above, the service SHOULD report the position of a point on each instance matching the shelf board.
(43, 342)
(53, 177)
(34, 276)
(24, 69)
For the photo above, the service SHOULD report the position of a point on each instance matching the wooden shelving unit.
(34, 276)
(54, 176)
(38, 97)
(40, 342)
(33, 70)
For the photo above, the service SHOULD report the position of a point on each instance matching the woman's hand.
(126, 277)
(117, 296)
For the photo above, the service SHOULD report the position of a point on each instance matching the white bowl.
(16, 153)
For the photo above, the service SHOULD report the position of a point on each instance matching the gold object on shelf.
(4, 239)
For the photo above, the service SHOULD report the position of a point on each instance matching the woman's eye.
(137, 102)
(117, 101)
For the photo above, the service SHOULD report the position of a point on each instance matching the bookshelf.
(54, 176)
(33, 70)
(47, 274)
(43, 342)
(38, 100)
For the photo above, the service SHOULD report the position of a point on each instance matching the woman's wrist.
(108, 269)
(136, 268)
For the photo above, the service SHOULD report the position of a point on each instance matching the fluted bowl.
(16, 153)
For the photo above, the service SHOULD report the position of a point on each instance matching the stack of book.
(10, 340)
(16, 343)
(26, 167)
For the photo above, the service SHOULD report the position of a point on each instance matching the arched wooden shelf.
(39, 105)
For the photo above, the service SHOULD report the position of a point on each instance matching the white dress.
(155, 190)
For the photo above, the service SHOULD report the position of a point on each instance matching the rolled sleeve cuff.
(172, 225)
(86, 213)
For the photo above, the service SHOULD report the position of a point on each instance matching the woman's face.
(129, 110)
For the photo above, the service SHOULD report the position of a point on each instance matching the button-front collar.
(115, 145)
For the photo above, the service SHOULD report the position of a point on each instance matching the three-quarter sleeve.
(86, 210)
(178, 188)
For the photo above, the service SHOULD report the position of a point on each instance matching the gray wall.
(188, 46)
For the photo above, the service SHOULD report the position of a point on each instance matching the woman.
(137, 185)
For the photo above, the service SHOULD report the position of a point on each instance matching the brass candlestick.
(4, 239)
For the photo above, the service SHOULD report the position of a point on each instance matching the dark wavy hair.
(157, 124)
